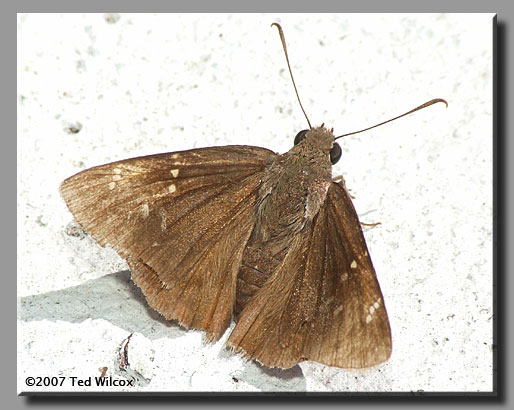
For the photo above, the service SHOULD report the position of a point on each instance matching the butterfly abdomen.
(257, 265)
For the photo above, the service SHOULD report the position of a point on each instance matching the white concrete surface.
(158, 83)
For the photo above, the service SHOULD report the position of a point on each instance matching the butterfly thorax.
(293, 189)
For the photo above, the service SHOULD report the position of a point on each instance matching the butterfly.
(240, 232)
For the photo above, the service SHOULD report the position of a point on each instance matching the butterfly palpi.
(240, 232)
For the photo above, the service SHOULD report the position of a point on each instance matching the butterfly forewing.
(323, 303)
(181, 219)
(204, 298)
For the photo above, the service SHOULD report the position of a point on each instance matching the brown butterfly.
(212, 234)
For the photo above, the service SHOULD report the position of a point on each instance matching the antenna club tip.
(443, 101)
(276, 24)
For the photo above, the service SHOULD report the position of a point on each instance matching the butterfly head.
(322, 138)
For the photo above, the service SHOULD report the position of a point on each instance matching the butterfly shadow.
(269, 379)
(113, 297)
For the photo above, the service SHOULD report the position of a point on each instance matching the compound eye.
(300, 137)
(335, 153)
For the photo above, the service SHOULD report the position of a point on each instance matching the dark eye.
(300, 137)
(335, 153)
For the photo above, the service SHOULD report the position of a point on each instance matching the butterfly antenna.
(283, 39)
(427, 104)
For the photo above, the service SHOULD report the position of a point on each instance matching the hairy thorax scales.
(293, 190)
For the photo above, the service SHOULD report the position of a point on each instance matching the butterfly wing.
(323, 303)
(181, 220)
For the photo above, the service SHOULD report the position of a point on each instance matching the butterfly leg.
(372, 224)
(340, 179)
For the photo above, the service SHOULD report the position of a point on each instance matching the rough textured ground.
(141, 84)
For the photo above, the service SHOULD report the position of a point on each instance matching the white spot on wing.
(163, 220)
(172, 188)
(146, 210)
(116, 177)
(353, 265)
(372, 309)
(174, 172)
(112, 185)
(116, 171)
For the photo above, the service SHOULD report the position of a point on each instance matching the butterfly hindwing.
(323, 303)
(181, 220)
